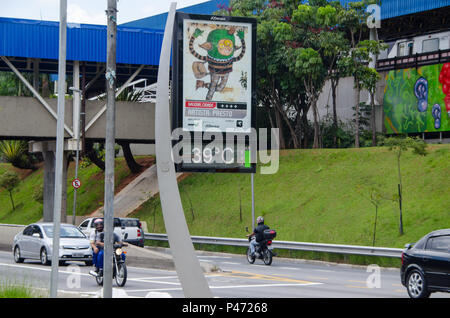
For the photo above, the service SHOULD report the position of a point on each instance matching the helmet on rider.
(259, 220)
(98, 223)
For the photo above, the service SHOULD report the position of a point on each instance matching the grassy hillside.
(89, 197)
(322, 196)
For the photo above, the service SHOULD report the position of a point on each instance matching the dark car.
(426, 265)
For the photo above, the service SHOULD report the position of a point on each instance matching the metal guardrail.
(288, 245)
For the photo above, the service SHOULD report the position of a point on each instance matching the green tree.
(9, 181)
(369, 81)
(399, 145)
(300, 46)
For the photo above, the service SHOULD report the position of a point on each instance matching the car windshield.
(65, 231)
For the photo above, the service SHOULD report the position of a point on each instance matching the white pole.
(59, 147)
(76, 126)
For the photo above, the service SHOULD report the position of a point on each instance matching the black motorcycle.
(119, 267)
(264, 249)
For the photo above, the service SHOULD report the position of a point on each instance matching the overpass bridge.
(31, 46)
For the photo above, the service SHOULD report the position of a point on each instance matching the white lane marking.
(228, 287)
(44, 269)
(291, 268)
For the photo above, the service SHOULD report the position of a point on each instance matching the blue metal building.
(139, 42)
(389, 9)
(85, 42)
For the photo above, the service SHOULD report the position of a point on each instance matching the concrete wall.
(26, 117)
(346, 99)
(7, 233)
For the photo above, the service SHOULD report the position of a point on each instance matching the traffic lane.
(339, 280)
(240, 279)
(148, 282)
(284, 279)
(74, 278)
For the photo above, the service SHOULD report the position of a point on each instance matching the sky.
(87, 11)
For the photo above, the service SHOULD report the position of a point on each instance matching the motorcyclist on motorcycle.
(258, 233)
(97, 243)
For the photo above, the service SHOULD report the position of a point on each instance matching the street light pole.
(77, 156)
(59, 147)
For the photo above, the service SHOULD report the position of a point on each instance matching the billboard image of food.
(417, 100)
(217, 74)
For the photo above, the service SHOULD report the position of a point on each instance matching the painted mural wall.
(417, 100)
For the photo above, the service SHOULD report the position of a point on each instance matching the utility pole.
(76, 126)
(59, 182)
(110, 75)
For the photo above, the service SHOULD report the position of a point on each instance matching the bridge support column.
(49, 185)
(48, 152)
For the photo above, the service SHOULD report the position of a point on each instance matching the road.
(285, 278)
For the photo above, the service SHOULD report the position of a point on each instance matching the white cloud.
(76, 14)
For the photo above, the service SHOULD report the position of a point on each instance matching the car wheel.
(44, 257)
(17, 257)
(416, 285)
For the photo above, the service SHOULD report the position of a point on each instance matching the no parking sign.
(76, 183)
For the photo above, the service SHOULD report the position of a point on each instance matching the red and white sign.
(76, 183)
(200, 104)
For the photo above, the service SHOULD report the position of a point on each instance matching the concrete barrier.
(7, 233)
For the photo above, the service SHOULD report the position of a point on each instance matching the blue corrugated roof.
(85, 42)
(138, 42)
(389, 9)
(395, 8)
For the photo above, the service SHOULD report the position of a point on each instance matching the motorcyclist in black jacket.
(258, 233)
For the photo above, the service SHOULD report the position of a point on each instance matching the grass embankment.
(89, 197)
(322, 196)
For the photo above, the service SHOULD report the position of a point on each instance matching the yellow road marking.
(351, 286)
(261, 277)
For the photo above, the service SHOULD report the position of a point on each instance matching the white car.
(128, 229)
(36, 240)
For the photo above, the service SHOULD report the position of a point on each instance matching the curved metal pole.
(190, 274)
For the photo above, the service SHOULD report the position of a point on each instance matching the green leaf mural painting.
(417, 100)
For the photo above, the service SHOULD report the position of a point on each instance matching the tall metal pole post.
(109, 145)
(59, 147)
(188, 268)
(76, 127)
(253, 200)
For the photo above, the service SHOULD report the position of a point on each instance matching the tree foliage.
(301, 45)
(9, 181)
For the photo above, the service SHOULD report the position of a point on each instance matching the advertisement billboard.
(213, 85)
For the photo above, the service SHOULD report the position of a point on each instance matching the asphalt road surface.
(285, 278)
